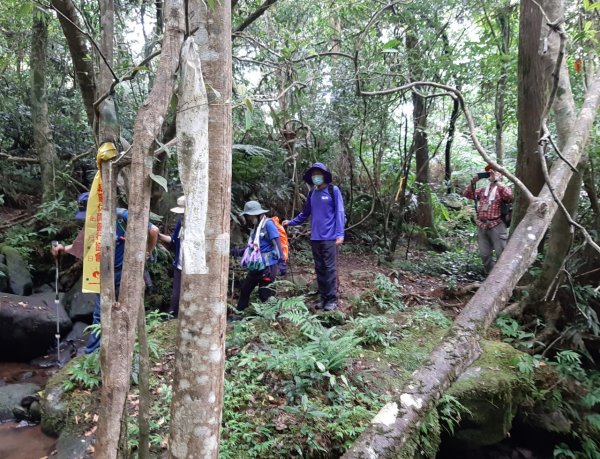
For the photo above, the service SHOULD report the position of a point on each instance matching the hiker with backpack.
(76, 249)
(325, 205)
(260, 256)
(491, 221)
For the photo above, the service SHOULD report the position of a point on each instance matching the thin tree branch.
(131, 76)
(253, 17)
(87, 35)
(471, 124)
(18, 159)
(560, 155)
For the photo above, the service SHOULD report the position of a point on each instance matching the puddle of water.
(14, 372)
(24, 442)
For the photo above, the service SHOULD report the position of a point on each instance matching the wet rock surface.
(28, 325)
(19, 279)
(11, 396)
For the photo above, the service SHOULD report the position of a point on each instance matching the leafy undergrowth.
(300, 383)
(297, 383)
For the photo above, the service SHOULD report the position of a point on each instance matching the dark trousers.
(93, 342)
(325, 256)
(261, 278)
(174, 308)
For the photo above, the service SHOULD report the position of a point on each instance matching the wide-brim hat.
(180, 209)
(253, 208)
(317, 166)
(82, 201)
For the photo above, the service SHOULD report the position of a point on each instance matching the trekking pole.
(56, 304)
(232, 282)
(288, 262)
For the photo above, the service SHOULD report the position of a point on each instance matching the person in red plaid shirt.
(492, 233)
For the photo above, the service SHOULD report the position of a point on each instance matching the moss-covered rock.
(491, 390)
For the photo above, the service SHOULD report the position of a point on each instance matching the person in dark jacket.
(325, 206)
(173, 242)
(76, 249)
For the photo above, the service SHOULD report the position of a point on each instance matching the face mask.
(317, 179)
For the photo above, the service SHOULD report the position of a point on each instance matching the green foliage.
(568, 363)
(49, 218)
(84, 373)
(425, 315)
(512, 332)
(374, 330)
(384, 298)
(450, 411)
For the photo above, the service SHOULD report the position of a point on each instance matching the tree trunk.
(145, 400)
(448, 151)
(530, 105)
(200, 362)
(504, 18)
(424, 217)
(397, 422)
(80, 53)
(590, 188)
(559, 240)
(119, 333)
(42, 134)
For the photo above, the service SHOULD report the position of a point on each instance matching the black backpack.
(506, 208)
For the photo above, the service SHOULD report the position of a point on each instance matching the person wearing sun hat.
(326, 207)
(266, 236)
(76, 249)
(492, 232)
(173, 242)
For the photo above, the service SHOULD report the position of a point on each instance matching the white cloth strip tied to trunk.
(192, 151)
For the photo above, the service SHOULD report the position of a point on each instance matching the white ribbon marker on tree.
(192, 151)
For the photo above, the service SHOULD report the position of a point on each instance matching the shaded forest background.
(403, 102)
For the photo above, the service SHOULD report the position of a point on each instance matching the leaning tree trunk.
(559, 242)
(398, 421)
(80, 53)
(42, 134)
(118, 337)
(200, 362)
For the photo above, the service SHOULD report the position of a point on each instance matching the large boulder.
(3, 277)
(28, 325)
(19, 279)
(79, 305)
(11, 396)
(492, 390)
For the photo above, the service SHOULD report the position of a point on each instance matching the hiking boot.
(331, 306)
(233, 318)
(320, 305)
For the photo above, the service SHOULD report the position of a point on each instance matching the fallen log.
(397, 421)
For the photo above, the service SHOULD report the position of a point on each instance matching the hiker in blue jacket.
(266, 236)
(326, 207)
